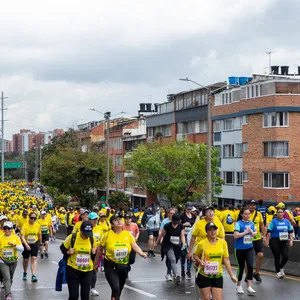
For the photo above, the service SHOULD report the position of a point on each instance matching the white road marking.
(53, 262)
(140, 291)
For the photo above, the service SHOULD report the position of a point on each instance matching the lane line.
(140, 291)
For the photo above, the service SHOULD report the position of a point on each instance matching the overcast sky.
(59, 59)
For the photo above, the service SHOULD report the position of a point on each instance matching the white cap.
(3, 217)
(43, 212)
(8, 224)
(194, 208)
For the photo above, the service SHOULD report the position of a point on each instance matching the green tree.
(176, 170)
(75, 173)
(118, 199)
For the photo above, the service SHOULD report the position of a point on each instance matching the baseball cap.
(87, 229)
(8, 224)
(3, 217)
(114, 217)
(128, 216)
(93, 216)
(43, 212)
(176, 219)
(25, 212)
(84, 211)
(207, 208)
(189, 206)
(194, 209)
(210, 225)
(252, 201)
(101, 214)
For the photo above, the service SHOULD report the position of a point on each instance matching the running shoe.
(282, 272)
(33, 278)
(239, 289)
(178, 279)
(189, 275)
(182, 274)
(9, 297)
(250, 291)
(94, 292)
(46, 255)
(279, 275)
(257, 277)
(169, 277)
(42, 255)
(24, 276)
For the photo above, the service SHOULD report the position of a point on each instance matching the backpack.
(229, 220)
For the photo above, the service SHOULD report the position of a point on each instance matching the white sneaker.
(94, 292)
(239, 289)
(250, 290)
(169, 277)
(282, 272)
(279, 275)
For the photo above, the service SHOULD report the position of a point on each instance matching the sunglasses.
(32, 218)
(6, 228)
(102, 217)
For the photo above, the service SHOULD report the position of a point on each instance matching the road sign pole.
(2, 131)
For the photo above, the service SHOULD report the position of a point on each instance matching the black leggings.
(76, 278)
(116, 278)
(242, 256)
(279, 248)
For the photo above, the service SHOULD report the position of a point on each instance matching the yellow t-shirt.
(105, 226)
(236, 213)
(13, 219)
(200, 233)
(45, 225)
(98, 234)
(258, 219)
(118, 246)
(71, 216)
(269, 218)
(76, 227)
(228, 219)
(8, 252)
(139, 216)
(31, 232)
(218, 214)
(62, 218)
(21, 221)
(214, 255)
(81, 259)
(297, 219)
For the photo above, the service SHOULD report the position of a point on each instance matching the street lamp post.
(209, 133)
(107, 119)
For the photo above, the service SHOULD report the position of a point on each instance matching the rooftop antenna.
(270, 55)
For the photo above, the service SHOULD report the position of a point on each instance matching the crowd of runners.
(106, 239)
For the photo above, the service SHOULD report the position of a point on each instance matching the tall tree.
(176, 170)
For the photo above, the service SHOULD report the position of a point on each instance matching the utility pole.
(36, 174)
(107, 118)
(2, 133)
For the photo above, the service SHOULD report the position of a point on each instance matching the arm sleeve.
(20, 248)
(237, 227)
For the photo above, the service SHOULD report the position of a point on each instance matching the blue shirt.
(280, 229)
(244, 242)
(163, 223)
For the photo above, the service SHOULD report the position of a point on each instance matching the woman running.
(118, 243)
(210, 254)
(244, 231)
(279, 238)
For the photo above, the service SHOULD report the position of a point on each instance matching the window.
(239, 178)
(150, 131)
(118, 161)
(228, 151)
(238, 150)
(238, 123)
(245, 119)
(217, 137)
(229, 124)
(203, 126)
(118, 177)
(229, 177)
(245, 176)
(276, 119)
(276, 180)
(276, 149)
(217, 126)
(245, 147)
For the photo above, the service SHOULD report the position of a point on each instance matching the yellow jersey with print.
(31, 232)
(45, 225)
(213, 256)
(118, 246)
(199, 229)
(76, 227)
(228, 219)
(21, 221)
(105, 226)
(98, 234)
(257, 219)
(81, 259)
(70, 218)
(9, 252)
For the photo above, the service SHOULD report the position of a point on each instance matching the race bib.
(31, 239)
(283, 236)
(247, 239)
(174, 240)
(82, 260)
(212, 268)
(187, 230)
(44, 229)
(7, 253)
(120, 253)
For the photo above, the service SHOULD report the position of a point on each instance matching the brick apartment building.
(256, 129)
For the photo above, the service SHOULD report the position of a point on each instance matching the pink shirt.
(133, 229)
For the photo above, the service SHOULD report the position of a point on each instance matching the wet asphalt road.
(146, 281)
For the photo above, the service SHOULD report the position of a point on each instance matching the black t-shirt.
(173, 235)
(184, 218)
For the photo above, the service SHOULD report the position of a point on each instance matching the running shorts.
(205, 282)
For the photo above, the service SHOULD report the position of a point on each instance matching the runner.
(46, 230)
(258, 221)
(84, 216)
(172, 243)
(69, 220)
(228, 219)
(118, 244)
(244, 231)
(10, 244)
(80, 247)
(151, 221)
(22, 220)
(187, 220)
(54, 221)
(31, 238)
(210, 254)
(280, 237)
